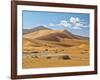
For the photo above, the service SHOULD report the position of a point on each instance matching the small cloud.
(74, 20)
(64, 23)
(51, 24)
(77, 19)
(77, 28)
(77, 23)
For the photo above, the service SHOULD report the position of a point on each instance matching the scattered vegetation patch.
(34, 56)
(48, 57)
(35, 52)
(56, 51)
(82, 52)
(66, 58)
(46, 49)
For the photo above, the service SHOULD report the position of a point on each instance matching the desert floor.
(46, 56)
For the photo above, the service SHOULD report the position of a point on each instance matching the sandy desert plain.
(43, 48)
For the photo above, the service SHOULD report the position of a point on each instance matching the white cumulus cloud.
(72, 22)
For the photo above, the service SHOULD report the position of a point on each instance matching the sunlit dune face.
(54, 48)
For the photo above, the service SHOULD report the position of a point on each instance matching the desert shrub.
(66, 57)
(34, 56)
(85, 50)
(48, 57)
(46, 49)
(82, 52)
(56, 51)
(35, 52)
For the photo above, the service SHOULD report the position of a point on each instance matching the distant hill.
(26, 31)
(82, 37)
(45, 37)
(43, 33)
(75, 36)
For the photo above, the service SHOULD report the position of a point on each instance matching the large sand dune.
(73, 49)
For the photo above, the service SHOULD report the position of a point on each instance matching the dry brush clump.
(56, 51)
(66, 57)
(48, 57)
(35, 52)
(46, 49)
(34, 57)
(84, 51)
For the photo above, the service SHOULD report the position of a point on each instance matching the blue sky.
(77, 23)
